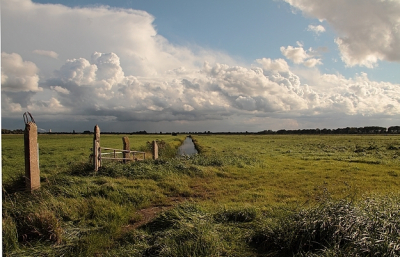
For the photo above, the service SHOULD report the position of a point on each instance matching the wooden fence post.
(125, 141)
(96, 148)
(32, 172)
(155, 150)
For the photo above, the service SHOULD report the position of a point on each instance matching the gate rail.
(115, 152)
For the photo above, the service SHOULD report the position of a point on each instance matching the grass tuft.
(236, 215)
(344, 228)
(10, 234)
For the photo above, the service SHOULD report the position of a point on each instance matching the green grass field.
(243, 195)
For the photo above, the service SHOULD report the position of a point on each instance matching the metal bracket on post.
(26, 118)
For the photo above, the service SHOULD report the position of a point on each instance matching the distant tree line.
(7, 131)
(348, 130)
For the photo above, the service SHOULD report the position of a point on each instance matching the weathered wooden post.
(155, 150)
(126, 155)
(32, 172)
(96, 148)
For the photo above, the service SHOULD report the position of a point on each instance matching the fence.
(106, 153)
(115, 152)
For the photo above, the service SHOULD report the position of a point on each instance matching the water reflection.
(187, 147)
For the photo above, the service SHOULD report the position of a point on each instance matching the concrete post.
(32, 172)
(155, 150)
(96, 149)
(125, 141)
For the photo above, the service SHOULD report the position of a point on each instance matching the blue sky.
(201, 65)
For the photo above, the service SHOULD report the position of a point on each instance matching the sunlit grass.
(295, 169)
(229, 200)
(58, 152)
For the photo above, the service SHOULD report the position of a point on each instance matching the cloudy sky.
(180, 65)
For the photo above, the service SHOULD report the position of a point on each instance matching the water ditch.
(187, 147)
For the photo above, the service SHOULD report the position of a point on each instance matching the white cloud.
(78, 32)
(78, 71)
(368, 30)
(354, 96)
(212, 92)
(273, 65)
(123, 71)
(9, 106)
(109, 69)
(18, 75)
(295, 54)
(300, 56)
(51, 54)
(316, 29)
(312, 62)
(60, 90)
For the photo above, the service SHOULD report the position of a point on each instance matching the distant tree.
(394, 129)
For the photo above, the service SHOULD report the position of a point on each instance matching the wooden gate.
(106, 153)
(115, 154)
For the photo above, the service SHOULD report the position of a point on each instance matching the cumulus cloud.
(78, 71)
(312, 62)
(278, 65)
(99, 89)
(368, 31)
(316, 29)
(109, 69)
(295, 54)
(60, 90)
(78, 32)
(122, 71)
(18, 75)
(215, 91)
(300, 56)
(51, 54)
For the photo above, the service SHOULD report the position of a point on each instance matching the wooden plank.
(111, 153)
(110, 158)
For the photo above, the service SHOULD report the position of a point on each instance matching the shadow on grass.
(16, 184)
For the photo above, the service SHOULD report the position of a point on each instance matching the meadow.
(243, 195)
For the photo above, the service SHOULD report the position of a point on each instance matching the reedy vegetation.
(243, 196)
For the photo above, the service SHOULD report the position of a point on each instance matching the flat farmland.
(291, 167)
(58, 151)
(243, 195)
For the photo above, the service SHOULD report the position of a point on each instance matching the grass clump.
(335, 228)
(184, 231)
(10, 234)
(246, 214)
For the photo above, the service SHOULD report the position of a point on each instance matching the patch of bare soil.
(148, 214)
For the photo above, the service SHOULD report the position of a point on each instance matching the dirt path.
(148, 214)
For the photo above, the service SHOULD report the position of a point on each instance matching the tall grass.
(335, 228)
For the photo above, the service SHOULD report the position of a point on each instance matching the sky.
(220, 66)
